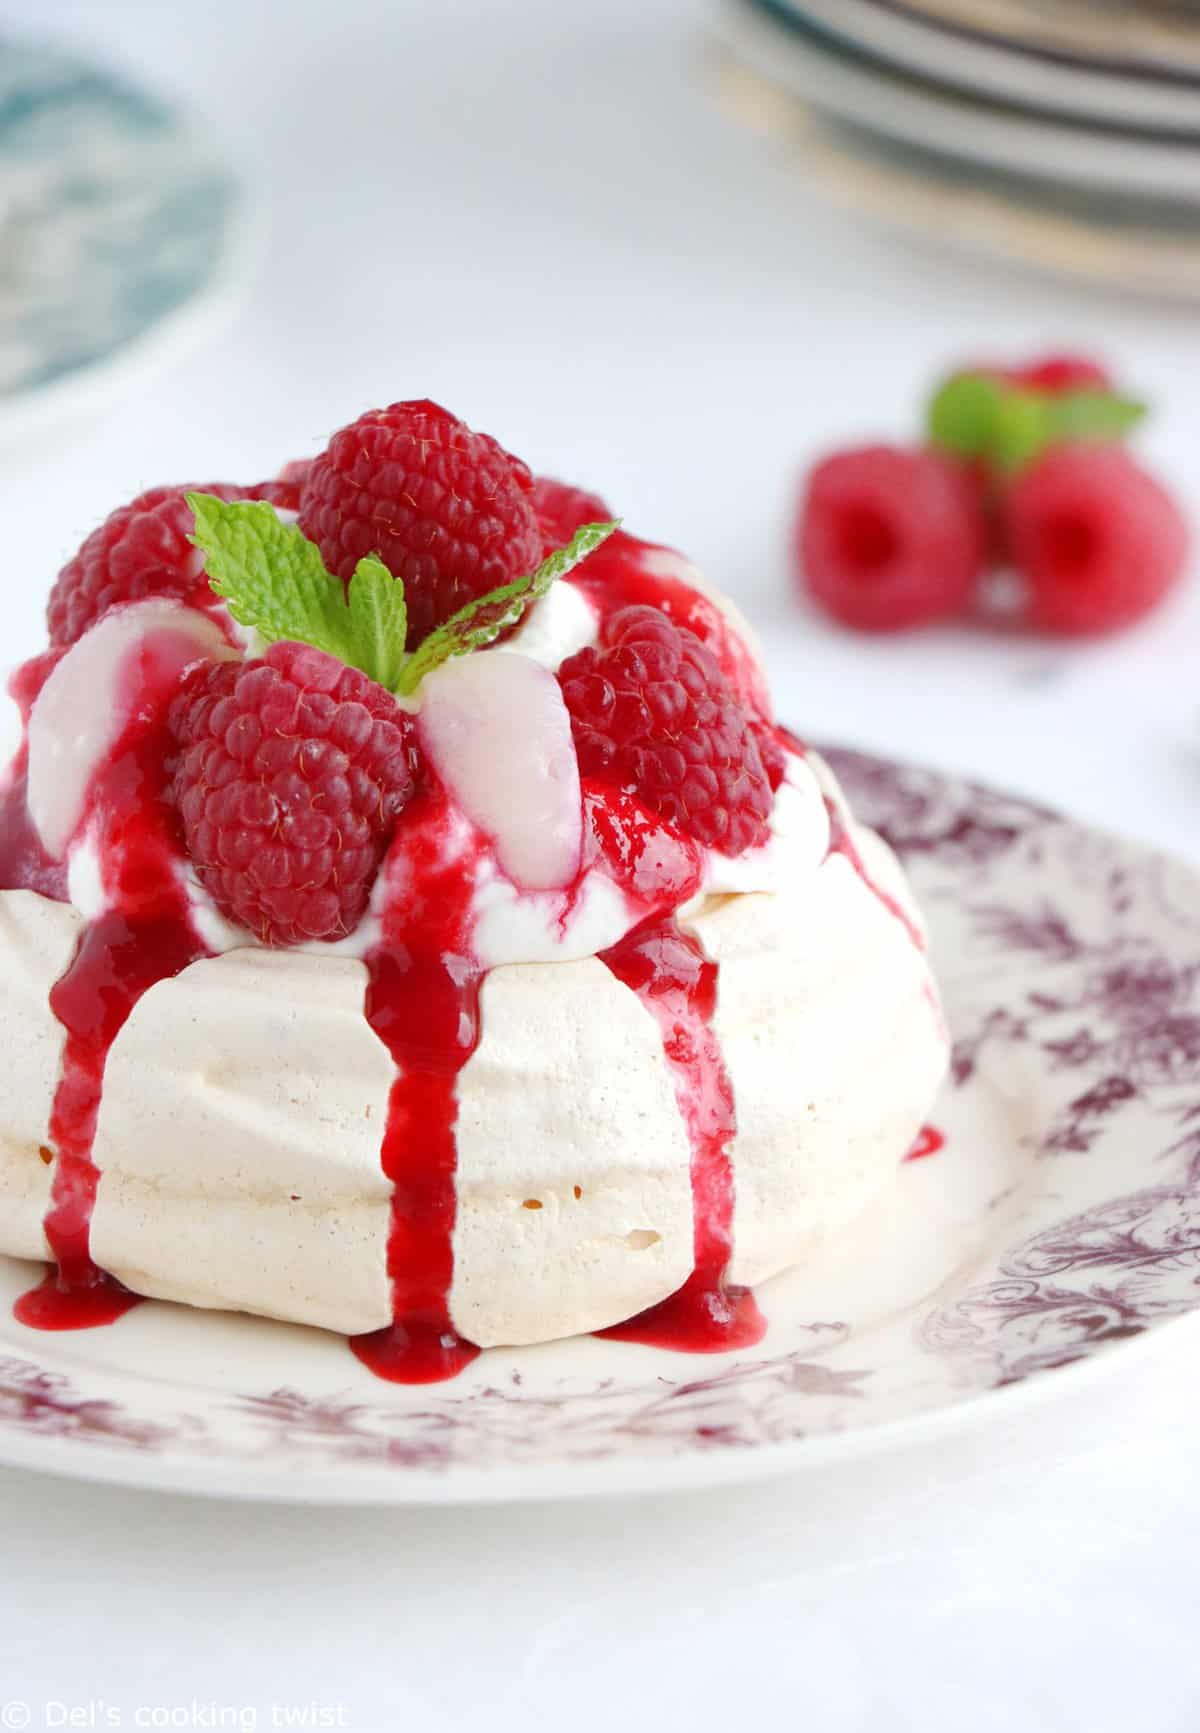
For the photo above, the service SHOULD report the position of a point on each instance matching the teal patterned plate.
(117, 231)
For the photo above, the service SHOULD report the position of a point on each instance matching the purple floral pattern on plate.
(1070, 964)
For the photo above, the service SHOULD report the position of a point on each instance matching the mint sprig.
(481, 622)
(378, 622)
(273, 580)
(977, 415)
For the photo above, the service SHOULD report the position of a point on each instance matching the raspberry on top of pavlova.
(413, 923)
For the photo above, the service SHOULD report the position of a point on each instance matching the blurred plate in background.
(1013, 69)
(120, 236)
(836, 78)
(1151, 37)
(1146, 244)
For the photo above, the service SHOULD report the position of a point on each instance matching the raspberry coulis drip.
(120, 957)
(841, 842)
(144, 936)
(654, 865)
(423, 1003)
(929, 1141)
(668, 971)
(24, 863)
(622, 573)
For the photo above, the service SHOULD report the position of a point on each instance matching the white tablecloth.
(530, 212)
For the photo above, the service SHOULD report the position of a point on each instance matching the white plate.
(120, 236)
(1013, 73)
(840, 82)
(1060, 1221)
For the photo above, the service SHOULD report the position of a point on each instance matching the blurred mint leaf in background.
(1022, 428)
(1096, 415)
(979, 415)
(962, 414)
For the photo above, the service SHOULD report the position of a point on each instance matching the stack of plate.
(1064, 133)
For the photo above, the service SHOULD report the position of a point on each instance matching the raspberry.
(887, 538)
(624, 573)
(288, 484)
(562, 510)
(1059, 373)
(447, 510)
(1098, 541)
(652, 713)
(1053, 374)
(288, 775)
(770, 750)
(141, 549)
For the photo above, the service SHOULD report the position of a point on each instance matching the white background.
(532, 212)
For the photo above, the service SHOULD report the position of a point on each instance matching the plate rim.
(634, 1475)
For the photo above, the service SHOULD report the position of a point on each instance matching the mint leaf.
(272, 578)
(378, 622)
(1029, 421)
(1023, 427)
(962, 413)
(1095, 414)
(976, 415)
(482, 621)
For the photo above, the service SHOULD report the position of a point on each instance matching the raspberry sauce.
(144, 935)
(841, 842)
(928, 1141)
(655, 866)
(423, 1003)
(24, 863)
(677, 984)
(623, 572)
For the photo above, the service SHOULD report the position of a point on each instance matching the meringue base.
(245, 1099)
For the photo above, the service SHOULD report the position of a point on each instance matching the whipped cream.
(560, 624)
(511, 924)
